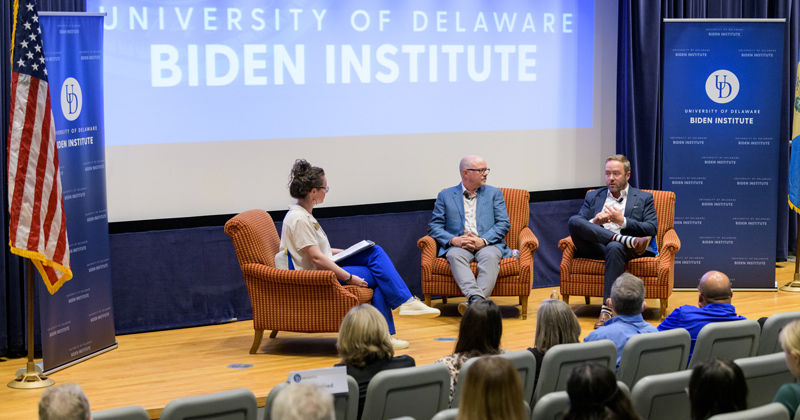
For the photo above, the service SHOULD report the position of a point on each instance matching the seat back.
(654, 353)
(133, 412)
(559, 360)
(551, 406)
(522, 360)
(449, 414)
(764, 375)
(664, 202)
(237, 404)
(391, 392)
(662, 397)
(726, 340)
(517, 205)
(345, 404)
(254, 237)
(770, 332)
(771, 411)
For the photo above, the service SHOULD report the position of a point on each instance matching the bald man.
(470, 223)
(713, 305)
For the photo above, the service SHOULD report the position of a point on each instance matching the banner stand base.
(793, 286)
(31, 379)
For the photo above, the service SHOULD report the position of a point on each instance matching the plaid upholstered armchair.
(286, 300)
(584, 277)
(516, 274)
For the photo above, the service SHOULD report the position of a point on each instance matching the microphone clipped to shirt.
(467, 196)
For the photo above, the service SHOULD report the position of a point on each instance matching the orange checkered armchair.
(516, 275)
(286, 300)
(584, 277)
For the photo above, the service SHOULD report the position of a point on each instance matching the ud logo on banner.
(722, 86)
(71, 99)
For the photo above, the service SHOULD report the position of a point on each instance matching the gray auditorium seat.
(133, 412)
(522, 360)
(344, 404)
(764, 375)
(419, 392)
(653, 354)
(772, 411)
(769, 342)
(726, 340)
(559, 360)
(551, 406)
(449, 414)
(229, 405)
(662, 397)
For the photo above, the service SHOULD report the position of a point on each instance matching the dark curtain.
(639, 88)
(12, 291)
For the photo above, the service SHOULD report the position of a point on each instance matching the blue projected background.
(243, 70)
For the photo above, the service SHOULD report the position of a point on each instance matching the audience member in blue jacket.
(627, 304)
(713, 305)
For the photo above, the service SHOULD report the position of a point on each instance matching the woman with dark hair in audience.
(304, 246)
(594, 395)
(789, 394)
(479, 335)
(365, 347)
(492, 391)
(555, 324)
(717, 387)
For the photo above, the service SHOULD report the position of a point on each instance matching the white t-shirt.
(300, 229)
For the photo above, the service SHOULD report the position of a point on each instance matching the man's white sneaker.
(418, 309)
(398, 344)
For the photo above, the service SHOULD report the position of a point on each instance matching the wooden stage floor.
(151, 369)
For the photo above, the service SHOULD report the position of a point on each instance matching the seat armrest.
(528, 242)
(567, 244)
(672, 244)
(304, 277)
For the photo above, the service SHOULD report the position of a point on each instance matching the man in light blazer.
(470, 223)
(615, 224)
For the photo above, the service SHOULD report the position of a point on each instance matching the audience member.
(615, 224)
(789, 394)
(303, 401)
(594, 394)
(64, 402)
(305, 246)
(627, 304)
(365, 347)
(717, 387)
(470, 223)
(713, 305)
(555, 324)
(492, 390)
(479, 335)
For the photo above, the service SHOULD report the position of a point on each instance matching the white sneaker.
(398, 344)
(418, 309)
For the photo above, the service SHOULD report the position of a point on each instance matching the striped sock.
(624, 239)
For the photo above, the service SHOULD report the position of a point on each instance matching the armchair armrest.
(304, 277)
(528, 242)
(428, 246)
(566, 244)
(672, 244)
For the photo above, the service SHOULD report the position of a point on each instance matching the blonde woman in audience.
(64, 402)
(492, 391)
(594, 395)
(303, 401)
(479, 335)
(555, 324)
(365, 347)
(789, 394)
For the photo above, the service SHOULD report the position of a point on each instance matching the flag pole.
(794, 285)
(31, 378)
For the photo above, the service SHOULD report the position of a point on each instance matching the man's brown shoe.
(601, 320)
(640, 244)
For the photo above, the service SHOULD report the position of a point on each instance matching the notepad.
(355, 249)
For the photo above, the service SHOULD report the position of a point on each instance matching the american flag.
(38, 226)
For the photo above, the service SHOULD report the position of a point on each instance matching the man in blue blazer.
(615, 224)
(470, 223)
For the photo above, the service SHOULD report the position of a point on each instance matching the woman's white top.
(300, 229)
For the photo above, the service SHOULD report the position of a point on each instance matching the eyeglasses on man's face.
(482, 171)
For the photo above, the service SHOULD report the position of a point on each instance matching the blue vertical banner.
(78, 321)
(721, 111)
